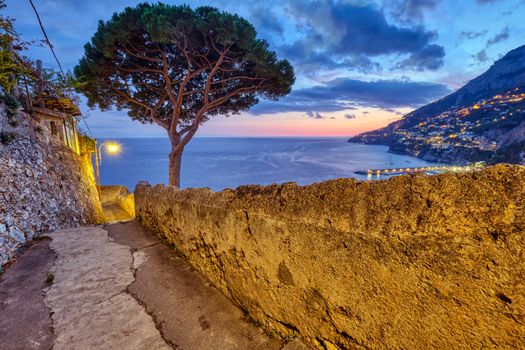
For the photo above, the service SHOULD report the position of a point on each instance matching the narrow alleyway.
(117, 287)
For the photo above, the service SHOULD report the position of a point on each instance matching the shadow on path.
(189, 312)
(24, 318)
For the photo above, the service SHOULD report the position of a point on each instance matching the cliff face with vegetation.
(414, 262)
(44, 186)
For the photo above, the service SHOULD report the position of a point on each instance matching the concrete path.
(113, 212)
(24, 318)
(125, 290)
(190, 313)
(91, 307)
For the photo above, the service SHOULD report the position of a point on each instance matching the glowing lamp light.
(113, 148)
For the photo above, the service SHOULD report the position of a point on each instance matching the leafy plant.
(86, 144)
(18, 69)
(50, 279)
(12, 62)
(12, 104)
(6, 137)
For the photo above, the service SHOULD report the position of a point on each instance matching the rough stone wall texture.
(414, 262)
(44, 186)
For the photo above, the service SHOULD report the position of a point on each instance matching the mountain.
(483, 120)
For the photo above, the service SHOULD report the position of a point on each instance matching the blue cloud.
(343, 94)
(338, 32)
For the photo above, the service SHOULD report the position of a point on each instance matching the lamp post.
(111, 148)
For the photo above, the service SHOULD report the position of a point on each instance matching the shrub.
(86, 144)
(7, 137)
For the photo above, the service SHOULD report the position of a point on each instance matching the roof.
(49, 113)
(62, 104)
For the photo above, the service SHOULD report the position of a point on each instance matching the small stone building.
(58, 117)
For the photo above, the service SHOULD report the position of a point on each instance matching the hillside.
(483, 120)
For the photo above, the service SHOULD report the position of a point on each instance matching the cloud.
(431, 57)
(409, 11)
(337, 34)
(470, 34)
(481, 57)
(501, 36)
(265, 20)
(392, 110)
(343, 94)
(309, 60)
(315, 115)
(349, 116)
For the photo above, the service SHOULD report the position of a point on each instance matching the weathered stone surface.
(91, 307)
(415, 262)
(24, 318)
(43, 186)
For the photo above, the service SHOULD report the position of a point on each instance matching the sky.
(359, 64)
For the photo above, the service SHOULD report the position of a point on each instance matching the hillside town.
(477, 127)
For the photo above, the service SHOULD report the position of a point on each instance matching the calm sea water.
(221, 163)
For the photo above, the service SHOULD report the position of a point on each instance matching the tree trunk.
(175, 160)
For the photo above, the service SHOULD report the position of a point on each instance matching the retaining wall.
(414, 262)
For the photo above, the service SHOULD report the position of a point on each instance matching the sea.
(219, 162)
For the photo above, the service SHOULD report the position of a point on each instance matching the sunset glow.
(418, 52)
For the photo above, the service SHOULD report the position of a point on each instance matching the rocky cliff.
(414, 262)
(43, 184)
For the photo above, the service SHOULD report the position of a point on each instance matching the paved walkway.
(117, 287)
(113, 212)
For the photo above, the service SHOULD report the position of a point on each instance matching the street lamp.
(112, 148)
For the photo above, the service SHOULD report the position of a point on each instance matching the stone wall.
(414, 262)
(44, 186)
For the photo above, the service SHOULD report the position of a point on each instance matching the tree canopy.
(176, 67)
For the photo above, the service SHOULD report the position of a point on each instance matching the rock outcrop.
(44, 186)
(414, 262)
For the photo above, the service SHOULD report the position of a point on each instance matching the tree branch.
(146, 58)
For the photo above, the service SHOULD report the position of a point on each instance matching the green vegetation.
(18, 73)
(177, 67)
(12, 62)
(6, 137)
(50, 279)
(86, 144)
(12, 105)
